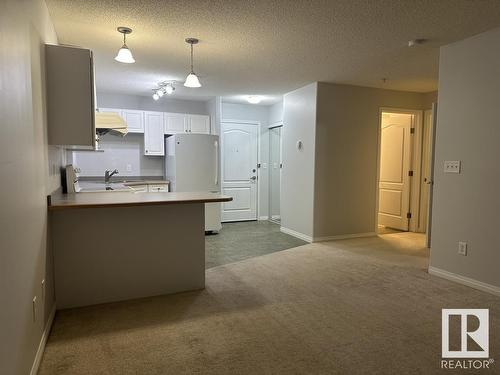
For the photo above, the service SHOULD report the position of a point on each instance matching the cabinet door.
(134, 120)
(158, 188)
(199, 124)
(69, 74)
(153, 134)
(175, 123)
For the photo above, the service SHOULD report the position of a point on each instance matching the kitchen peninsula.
(113, 246)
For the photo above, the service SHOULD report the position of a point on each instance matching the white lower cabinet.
(154, 144)
(158, 188)
(151, 188)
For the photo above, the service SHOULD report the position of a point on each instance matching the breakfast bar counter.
(114, 246)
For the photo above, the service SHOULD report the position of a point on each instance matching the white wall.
(120, 153)
(297, 196)
(346, 155)
(260, 113)
(29, 170)
(276, 113)
(467, 205)
(146, 103)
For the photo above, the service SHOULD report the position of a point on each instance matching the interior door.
(425, 178)
(239, 152)
(394, 181)
(431, 173)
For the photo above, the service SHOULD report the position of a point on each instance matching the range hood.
(108, 122)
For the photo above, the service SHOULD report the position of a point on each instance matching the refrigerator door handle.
(216, 144)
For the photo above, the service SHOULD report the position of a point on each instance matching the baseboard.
(344, 236)
(263, 218)
(465, 280)
(43, 341)
(294, 233)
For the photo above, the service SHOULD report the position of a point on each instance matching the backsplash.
(123, 153)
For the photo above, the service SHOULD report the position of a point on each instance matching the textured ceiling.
(270, 47)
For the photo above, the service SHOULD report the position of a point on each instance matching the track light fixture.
(162, 89)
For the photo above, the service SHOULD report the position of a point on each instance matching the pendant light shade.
(192, 79)
(124, 55)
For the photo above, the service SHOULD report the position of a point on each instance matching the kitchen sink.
(101, 187)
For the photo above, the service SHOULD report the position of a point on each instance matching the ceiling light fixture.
(162, 89)
(124, 55)
(254, 99)
(169, 88)
(416, 42)
(192, 79)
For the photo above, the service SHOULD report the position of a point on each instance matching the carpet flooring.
(244, 240)
(358, 306)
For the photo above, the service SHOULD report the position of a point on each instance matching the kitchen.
(148, 151)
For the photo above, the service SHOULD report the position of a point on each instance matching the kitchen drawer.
(139, 188)
(158, 188)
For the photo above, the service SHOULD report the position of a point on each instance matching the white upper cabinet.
(70, 96)
(199, 124)
(175, 123)
(134, 120)
(154, 144)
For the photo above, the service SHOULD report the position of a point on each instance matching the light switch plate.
(452, 166)
(462, 248)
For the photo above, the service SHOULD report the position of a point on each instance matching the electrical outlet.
(462, 248)
(34, 307)
(452, 166)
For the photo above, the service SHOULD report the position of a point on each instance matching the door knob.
(253, 178)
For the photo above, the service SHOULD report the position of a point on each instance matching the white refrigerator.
(192, 164)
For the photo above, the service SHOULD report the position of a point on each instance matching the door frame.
(247, 122)
(278, 124)
(415, 163)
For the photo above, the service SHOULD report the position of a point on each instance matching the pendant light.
(124, 55)
(192, 79)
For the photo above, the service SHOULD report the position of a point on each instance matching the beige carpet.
(361, 306)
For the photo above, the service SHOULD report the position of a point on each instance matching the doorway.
(275, 165)
(239, 178)
(404, 172)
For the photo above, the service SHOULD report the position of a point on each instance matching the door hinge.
(410, 173)
(408, 215)
(412, 130)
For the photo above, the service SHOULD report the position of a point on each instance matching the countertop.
(59, 201)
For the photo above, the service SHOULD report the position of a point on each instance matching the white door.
(394, 182)
(175, 123)
(425, 179)
(199, 124)
(239, 170)
(431, 173)
(154, 144)
(134, 120)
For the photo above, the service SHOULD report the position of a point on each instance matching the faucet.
(108, 174)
